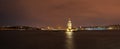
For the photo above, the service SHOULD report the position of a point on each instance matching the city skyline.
(56, 12)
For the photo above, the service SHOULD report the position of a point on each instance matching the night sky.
(56, 12)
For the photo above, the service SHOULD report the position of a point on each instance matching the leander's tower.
(69, 26)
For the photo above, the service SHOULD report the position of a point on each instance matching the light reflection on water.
(69, 40)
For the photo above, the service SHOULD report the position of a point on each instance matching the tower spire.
(69, 19)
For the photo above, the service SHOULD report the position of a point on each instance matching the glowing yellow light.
(110, 28)
(69, 34)
(69, 29)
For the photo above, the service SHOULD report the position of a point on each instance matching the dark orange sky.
(56, 12)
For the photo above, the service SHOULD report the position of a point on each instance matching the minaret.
(69, 26)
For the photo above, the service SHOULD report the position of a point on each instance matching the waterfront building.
(69, 26)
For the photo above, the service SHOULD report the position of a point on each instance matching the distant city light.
(110, 28)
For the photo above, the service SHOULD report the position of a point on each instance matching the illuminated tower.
(69, 26)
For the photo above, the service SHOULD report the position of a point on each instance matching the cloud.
(55, 12)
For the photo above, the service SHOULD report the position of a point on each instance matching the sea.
(35, 39)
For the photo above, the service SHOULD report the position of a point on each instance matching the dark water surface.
(59, 40)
